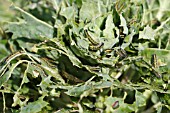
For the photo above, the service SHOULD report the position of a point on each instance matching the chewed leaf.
(35, 106)
(31, 27)
(86, 56)
(45, 83)
(128, 40)
(12, 68)
(117, 105)
(77, 91)
(140, 99)
(147, 33)
(68, 12)
(123, 24)
(109, 36)
(108, 31)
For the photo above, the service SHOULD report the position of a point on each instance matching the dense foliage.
(85, 56)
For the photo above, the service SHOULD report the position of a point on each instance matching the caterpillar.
(132, 22)
(94, 68)
(4, 63)
(95, 48)
(13, 56)
(156, 73)
(108, 50)
(90, 38)
(122, 53)
(70, 77)
(121, 36)
(154, 61)
(153, 69)
(48, 62)
(119, 6)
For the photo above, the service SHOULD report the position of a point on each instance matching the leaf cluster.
(86, 56)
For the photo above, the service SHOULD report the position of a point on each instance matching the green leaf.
(6, 77)
(122, 108)
(109, 26)
(34, 107)
(45, 83)
(3, 50)
(147, 33)
(123, 24)
(164, 6)
(30, 26)
(154, 98)
(109, 37)
(17, 100)
(91, 10)
(68, 12)
(78, 90)
(162, 57)
(54, 72)
(140, 99)
(62, 111)
(128, 40)
(109, 101)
